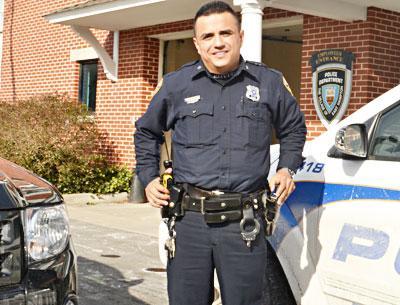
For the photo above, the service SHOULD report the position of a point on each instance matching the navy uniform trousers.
(200, 248)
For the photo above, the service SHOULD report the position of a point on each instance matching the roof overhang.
(118, 15)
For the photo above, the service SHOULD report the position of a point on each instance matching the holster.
(174, 207)
(271, 212)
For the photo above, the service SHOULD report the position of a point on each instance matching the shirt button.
(194, 111)
(223, 107)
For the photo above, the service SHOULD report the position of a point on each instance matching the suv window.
(385, 143)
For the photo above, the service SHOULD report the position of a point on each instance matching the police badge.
(253, 93)
(331, 81)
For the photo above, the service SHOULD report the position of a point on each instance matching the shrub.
(59, 140)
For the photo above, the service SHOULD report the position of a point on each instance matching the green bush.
(58, 139)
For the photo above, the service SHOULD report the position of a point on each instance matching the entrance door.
(176, 53)
(281, 50)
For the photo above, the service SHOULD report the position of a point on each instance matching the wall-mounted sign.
(331, 84)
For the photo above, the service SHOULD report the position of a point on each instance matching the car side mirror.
(352, 140)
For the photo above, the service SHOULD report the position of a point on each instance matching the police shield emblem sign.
(331, 80)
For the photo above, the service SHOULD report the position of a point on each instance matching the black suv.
(37, 259)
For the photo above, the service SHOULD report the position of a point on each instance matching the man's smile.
(220, 54)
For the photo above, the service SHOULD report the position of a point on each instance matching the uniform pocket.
(254, 122)
(196, 123)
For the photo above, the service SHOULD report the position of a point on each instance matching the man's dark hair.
(215, 7)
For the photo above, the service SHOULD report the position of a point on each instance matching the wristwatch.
(291, 172)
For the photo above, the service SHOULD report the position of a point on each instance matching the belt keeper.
(202, 209)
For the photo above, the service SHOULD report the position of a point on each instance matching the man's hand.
(156, 193)
(282, 184)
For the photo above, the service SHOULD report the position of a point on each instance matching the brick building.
(110, 54)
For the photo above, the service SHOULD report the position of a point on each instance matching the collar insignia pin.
(253, 93)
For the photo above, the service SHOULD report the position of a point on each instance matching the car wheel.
(276, 288)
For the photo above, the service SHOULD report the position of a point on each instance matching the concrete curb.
(89, 198)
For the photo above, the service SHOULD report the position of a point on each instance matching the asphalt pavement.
(117, 247)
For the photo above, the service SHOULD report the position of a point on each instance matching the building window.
(88, 84)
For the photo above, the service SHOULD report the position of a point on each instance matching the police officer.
(221, 110)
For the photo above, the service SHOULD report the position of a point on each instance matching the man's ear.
(196, 45)
(241, 37)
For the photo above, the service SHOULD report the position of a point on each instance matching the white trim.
(282, 22)
(97, 9)
(83, 54)
(173, 35)
(160, 60)
(116, 52)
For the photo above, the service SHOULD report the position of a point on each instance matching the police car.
(337, 240)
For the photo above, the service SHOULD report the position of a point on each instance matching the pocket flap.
(254, 111)
(194, 110)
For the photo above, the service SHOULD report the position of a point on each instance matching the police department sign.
(331, 81)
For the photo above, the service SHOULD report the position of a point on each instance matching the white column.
(252, 26)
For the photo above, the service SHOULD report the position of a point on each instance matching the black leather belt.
(217, 208)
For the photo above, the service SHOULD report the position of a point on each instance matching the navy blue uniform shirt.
(221, 134)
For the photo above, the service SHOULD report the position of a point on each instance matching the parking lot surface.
(117, 249)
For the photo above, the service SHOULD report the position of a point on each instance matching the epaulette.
(276, 71)
(260, 64)
(189, 64)
(256, 63)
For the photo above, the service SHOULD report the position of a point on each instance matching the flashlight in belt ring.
(167, 181)
(166, 178)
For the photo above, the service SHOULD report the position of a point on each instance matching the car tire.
(276, 287)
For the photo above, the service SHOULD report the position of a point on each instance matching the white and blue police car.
(337, 240)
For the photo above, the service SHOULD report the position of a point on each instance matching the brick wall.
(35, 53)
(36, 61)
(376, 45)
(119, 104)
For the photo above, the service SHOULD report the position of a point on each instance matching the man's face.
(218, 41)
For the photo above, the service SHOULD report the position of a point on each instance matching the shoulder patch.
(287, 85)
(159, 85)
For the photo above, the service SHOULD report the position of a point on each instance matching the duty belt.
(217, 207)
